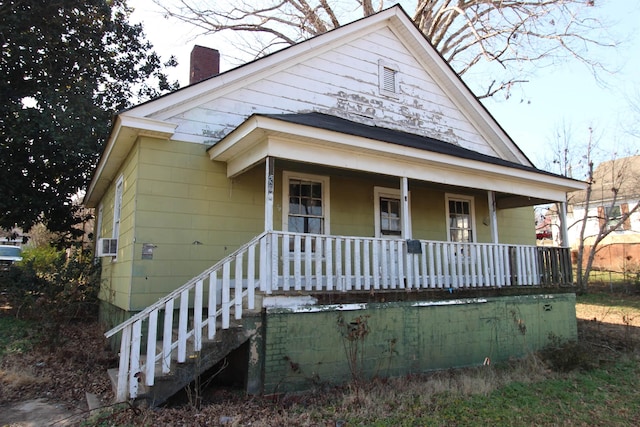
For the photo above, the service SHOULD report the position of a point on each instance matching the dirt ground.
(47, 386)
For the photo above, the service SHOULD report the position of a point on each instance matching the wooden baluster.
(167, 336)
(134, 371)
(151, 348)
(237, 284)
(197, 317)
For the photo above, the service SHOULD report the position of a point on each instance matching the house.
(613, 207)
(347, 192)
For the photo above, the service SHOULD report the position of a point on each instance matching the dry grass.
(13, 379)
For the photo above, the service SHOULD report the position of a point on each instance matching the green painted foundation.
(314, 345)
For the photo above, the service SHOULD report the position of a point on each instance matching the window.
(613, 214)
(117, 208)
(460, 224)
(390, 223)
(306, 203)
(388, 212)
(97, 229)
(388, 78)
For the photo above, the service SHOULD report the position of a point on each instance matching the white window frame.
(117, 207)
(392, 193)
(461, 198)
(383, 69)
(323, 179)
(613, 220)
(97, 229)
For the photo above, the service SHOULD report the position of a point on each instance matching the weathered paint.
(343, 81)
(304, 347)
(116, 272)
(193, 215)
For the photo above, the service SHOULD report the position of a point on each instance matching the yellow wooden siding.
(193, 216)
(191, 213)
(516, 226)
(116, 273)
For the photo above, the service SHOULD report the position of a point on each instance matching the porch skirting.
(300, 347)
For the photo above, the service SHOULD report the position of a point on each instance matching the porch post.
(564, 229)
(268, 198)
(268, 225)
(493, 216)
(404, 195)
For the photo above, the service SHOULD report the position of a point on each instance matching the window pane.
(305, 207)
(296, 224)
(314, 226)
(460, 221)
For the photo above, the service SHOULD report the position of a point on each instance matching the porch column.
(564, 229)
(493, 217)
(268, 198)
(404, 195)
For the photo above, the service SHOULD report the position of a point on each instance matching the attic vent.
(388, 79)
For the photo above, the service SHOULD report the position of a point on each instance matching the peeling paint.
(406, 114)
(450, 302)
(288, 302)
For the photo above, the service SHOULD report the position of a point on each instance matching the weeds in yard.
(353, 335)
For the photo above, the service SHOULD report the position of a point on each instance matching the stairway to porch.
(197, 363)
(165, 346)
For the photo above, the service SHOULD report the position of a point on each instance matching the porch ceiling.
(331, 141)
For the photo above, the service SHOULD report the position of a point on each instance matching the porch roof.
(333, 141)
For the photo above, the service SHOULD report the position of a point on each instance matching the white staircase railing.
(194, 316)
(292, 262)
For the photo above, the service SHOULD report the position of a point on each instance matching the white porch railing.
(280, 262)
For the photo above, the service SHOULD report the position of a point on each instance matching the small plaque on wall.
(147, 250)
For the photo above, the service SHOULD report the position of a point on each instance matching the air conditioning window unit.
(108, 247)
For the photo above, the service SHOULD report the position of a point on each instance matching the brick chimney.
(205, 63)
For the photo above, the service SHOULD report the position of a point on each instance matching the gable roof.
(158, 117)
(622, 174)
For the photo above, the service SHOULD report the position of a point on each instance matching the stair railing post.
(134, 371)
(123, 368)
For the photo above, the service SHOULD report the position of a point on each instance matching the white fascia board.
(98, 173)
(262, 136)
(148, 127)
(439, 169)
(125, 131)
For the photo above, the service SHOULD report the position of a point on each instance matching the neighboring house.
(350, 178)
(615, 211)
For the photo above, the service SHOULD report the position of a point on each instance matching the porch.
(173, 331)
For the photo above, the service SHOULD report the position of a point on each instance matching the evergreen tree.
(65, 68)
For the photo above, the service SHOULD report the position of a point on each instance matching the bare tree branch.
(508, 33)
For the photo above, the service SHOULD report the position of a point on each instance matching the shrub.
(52, 284)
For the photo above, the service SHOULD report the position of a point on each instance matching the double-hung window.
(306, 203)
(614, 214)
(460, 220)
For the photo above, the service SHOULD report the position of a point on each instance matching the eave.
(124, 134)
(260, 136)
